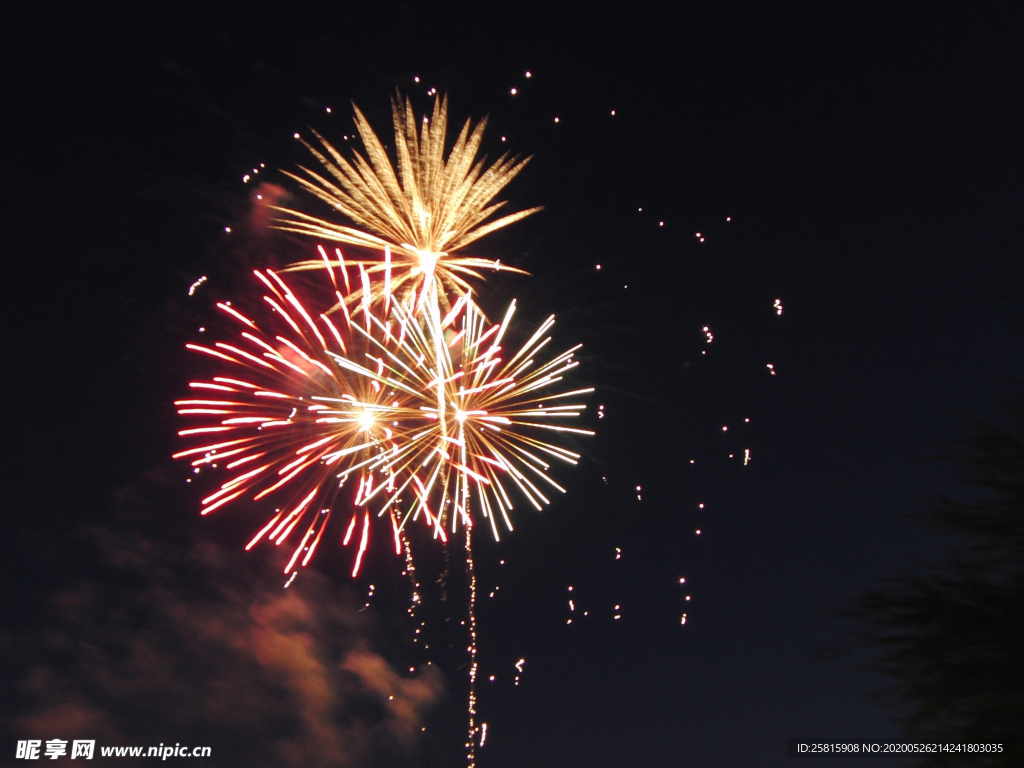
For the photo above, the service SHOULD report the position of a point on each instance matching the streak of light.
(519, 670)
(192, 288)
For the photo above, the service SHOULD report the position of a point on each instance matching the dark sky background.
(862, 166)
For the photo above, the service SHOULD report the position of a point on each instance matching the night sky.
(864, 168)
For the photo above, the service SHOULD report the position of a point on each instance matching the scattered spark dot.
(746, 456)
(613, 113)
(640, 210)
(514, 91)
(682, 580)
(700, 506)
(328, 110)
(661, 223)
(778, 306)
(725, 429)
(228, 230)
(556, 119)
(687, 598)
(196, 284)
(503, 138)
(295, 135)
(683, 620)
(708, 335)
(698, 531)
(491, 678)
(618, 551)
(693, 461)
(771, 369)
(598, 266)
(529, 74)
(416, 79)
(746, 421)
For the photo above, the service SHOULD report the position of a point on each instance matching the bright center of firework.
(428, 260)
(365, 421)
(460, 416)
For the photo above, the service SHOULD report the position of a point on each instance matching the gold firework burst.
(487, 416)
(419, 213)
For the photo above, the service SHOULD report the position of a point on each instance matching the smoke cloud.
(167, 643)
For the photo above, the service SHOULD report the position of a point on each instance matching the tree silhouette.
(950, 640)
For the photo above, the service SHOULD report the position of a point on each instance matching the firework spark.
(421, 212)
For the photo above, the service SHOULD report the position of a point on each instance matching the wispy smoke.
(165, 643)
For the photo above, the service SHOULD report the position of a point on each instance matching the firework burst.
(490, 414)
(420, 416)
(284, 421)
(394, 397)
(420, 212)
